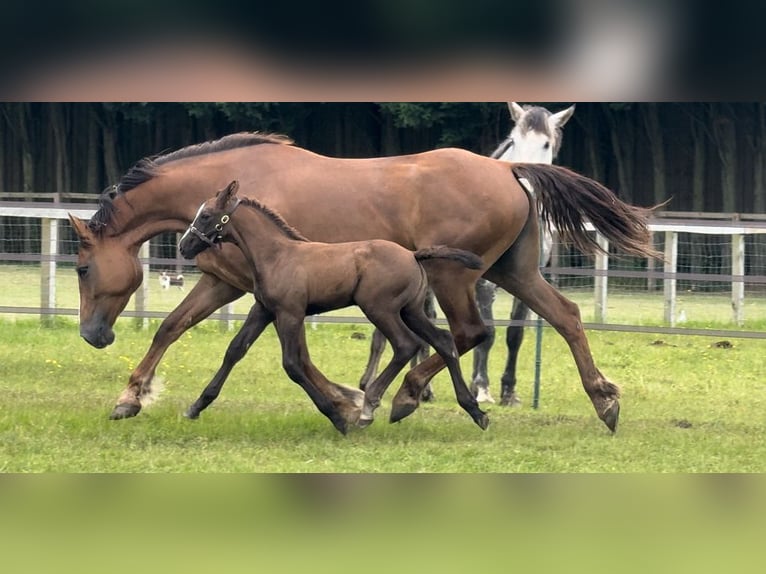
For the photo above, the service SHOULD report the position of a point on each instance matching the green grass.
(687, 406)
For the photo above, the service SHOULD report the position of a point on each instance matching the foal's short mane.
(146, 168)
(278, 220)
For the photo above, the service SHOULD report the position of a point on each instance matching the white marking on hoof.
(483, 396)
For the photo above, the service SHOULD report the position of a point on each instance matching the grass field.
(688, 406)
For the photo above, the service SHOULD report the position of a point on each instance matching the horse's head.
(536, 134)
(208, 226)
(108, 274)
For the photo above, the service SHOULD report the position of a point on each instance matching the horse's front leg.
(208, 294)
(257, 320)
(485, 298)
(298, 366)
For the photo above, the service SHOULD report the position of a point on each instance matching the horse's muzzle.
(100, 336)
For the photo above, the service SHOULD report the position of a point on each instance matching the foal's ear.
(231, 191)
(224, 196)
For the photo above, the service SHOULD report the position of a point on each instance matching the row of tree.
(705, 156)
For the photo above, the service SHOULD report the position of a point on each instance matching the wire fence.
(712, 282)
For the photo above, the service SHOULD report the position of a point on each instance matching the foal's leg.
(455, 292)
(518, 272)
(513, 339)
(257, 320)
(444, 344)
(404, 345)
(485, 297)
(295, 358)
(208, 294)
(378, 345)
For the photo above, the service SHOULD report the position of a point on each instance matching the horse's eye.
(82, 271)
(546, 145)
(511, 142)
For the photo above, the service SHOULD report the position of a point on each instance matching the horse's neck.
(155, 207)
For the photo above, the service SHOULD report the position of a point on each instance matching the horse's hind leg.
(485, 297)
(257, 320)
(444, 344)
(564, 316)
(429, 307)
(513, 339)
(208, 294)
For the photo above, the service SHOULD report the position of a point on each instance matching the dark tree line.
(705, 156)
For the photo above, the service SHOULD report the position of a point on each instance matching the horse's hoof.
(125, 411)
(483, 396)
(364, 423)
(510, 400)
(611, 415)
(400, 411)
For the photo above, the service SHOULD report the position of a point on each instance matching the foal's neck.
(261, 237)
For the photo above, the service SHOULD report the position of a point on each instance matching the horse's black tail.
(567, 199)
(467, 258)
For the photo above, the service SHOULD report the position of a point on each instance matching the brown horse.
(295, 276)
(444, 197)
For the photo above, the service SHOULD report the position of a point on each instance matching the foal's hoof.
(482, 420)
(125, 411)
(192, 414)
(611, 415)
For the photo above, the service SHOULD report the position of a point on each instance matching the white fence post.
(737, 282)
(601, 282)
(49, 241)
(142, 295)
(671, 262)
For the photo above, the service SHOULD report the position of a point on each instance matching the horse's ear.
(560, 118)
(516, 111)
(81, 228)
(233, 188)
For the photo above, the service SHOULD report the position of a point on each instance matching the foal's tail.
(567, 199)
(467, 258)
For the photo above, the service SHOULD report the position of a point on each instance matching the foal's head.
(207, 228)
(536, 134)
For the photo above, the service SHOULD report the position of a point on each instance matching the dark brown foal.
(295, 277)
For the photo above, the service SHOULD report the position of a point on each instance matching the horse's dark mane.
(278, 220)
(146, 168)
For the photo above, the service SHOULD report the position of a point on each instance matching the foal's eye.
(82, 271)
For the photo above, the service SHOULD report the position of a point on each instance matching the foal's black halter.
(215, 235)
